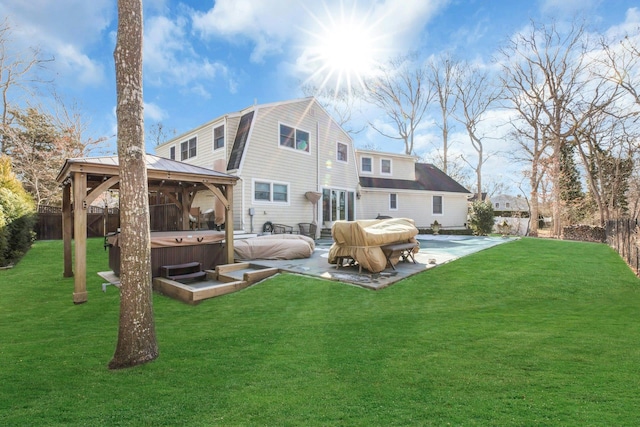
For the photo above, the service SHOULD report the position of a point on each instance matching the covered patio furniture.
(280, 246)
(363, 240)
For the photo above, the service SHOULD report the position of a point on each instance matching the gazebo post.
(67, 230)
(80, 237)
(185, 209)
(228, 224)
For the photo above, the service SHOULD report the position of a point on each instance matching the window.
(280, 192)
(218, 137)
(508, 205)
(497, 205)
(366, 164)
(266, 191)
(262, 191)
(437, 205)
(294, 138)
(393, 201)
(341, 152)
(188, 149)
(385, 166)
(172, 152)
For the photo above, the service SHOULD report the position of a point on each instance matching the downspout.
(242, 213)
(318, 184)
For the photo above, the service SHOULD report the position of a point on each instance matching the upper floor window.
(366, 164)
(497, 205)
(172, 152)
(218, 137)
(269, 191)
(385, 166)
(437, 205)
(341, 152)
(393, 201)
(294, 138)
(188, 149)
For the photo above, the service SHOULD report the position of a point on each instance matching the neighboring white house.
(514, 210)
(285, 153)
(397, 185)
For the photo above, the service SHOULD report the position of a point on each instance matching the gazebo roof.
(158, 169)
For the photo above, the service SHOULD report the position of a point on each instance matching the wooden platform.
(223, 280)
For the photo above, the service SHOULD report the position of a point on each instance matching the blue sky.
(206, 58)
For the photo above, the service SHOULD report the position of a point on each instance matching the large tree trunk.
(136, 335)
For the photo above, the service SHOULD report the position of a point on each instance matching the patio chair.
(308, 229)
(282, 229)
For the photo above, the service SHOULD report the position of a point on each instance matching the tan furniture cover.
(361, 240)
(274, 246)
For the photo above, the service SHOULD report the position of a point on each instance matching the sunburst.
(345, 50)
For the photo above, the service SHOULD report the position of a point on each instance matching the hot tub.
(176, 247)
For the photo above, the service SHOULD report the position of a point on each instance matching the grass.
(534, 332)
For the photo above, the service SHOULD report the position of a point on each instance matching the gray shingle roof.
(428, 178)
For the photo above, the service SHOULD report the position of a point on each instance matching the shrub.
(481, 221)
(17, 216)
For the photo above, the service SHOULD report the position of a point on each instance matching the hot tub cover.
(361, 240)
(276, 246)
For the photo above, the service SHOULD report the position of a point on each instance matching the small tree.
(17, 216)
(481, 221)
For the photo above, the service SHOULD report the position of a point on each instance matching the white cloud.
(271, 25)
(154, 113)
(64, 29)
(568, 8)
(171, 59)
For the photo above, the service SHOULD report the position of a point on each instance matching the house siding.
(402, 166)
(417, 205)
(302, 171)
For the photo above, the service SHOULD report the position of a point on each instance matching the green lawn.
(530, 333)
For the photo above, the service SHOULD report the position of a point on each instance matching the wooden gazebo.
(84, 179)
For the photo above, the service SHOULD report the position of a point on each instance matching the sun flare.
(343, 52)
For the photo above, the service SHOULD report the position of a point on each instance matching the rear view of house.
(297, 165)
(287, 154)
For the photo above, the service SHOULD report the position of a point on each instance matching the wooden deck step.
(193, 293)
(209, 284)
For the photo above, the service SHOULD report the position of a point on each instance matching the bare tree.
(551, 70)
(401, 89)
(17, 71)
(458, 170)
(606, 147)
(39, 142)
(476, 94)
(339, 103)
(529, 131)
(159, 134)
(621, 64)
(443, 74)
(136, 334)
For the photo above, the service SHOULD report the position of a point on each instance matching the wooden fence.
(100, 221)
(622, 235)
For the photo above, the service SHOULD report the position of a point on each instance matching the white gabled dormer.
(386, 165)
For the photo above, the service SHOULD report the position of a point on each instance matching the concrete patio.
(434, 251)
